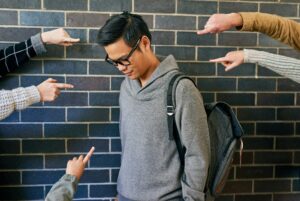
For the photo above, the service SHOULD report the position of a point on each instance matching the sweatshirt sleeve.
(285, 66)
(17, 99)
(63, 190)
(192, 125)
(16, 55)
(285, 30)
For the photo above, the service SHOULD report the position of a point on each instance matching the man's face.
(129, 60)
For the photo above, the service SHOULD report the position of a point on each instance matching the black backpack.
(224, 132)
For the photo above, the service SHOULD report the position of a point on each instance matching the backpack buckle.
(170, 110)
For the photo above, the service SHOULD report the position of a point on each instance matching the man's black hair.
(130, 27)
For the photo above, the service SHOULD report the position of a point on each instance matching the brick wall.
(36, 143)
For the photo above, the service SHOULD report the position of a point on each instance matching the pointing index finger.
(88, 155)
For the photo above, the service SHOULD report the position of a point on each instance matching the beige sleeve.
(285, 30)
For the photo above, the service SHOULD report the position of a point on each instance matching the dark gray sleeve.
(191, 121)
(63, 190)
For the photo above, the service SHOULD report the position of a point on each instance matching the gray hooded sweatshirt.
(150, 168)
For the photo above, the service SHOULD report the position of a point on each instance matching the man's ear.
(145, 43)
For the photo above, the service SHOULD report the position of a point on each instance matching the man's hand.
(49, 89)
(76, 166)
(221, 22)
(231, 60)
(58, 37)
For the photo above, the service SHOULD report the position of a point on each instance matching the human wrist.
(235, 19)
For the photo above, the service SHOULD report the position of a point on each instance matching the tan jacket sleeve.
(285, 30)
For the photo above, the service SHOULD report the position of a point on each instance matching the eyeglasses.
(124, 62)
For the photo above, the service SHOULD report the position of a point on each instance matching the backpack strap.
(171, 106)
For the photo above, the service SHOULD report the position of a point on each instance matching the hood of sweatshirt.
(156, 80)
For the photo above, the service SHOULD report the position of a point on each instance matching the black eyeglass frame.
(121, 62)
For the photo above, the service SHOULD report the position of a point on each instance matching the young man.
(65, 188)
(150, 168)
(15, 56)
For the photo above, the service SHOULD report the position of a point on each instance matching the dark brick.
(238, 187)
(298, 98)
(9, 82)
(41, 177)
(116, 145)
(104, 99)
(273, 157)
(102, 68)
(274, 128)
(267, 41)
(197, 68)
(237, 99)
(216, 84)
(163, 37)
(54, 51)
(81, 145)
(180, 53)
(196, 7)
(43, 146)
(253, 198)
(8, 17)
(10, 178)
(297, 157)
(21, 162)
(258, 143)
(272, 186)
(256, 114)
(70, 99)
(106, 160)
(22, 193)
(9, 146)
(103, 190)
(65, 5)
(88, 114)
(58, 161)
(86, 51)
(149, 19)
(234, 7)
(288, 143)
(297, 128)
(287, 171)
(28, 131)
(254, 172)
(287, 85)
(154, 6)
(208, 97)
(43, 115)
(95, 176)
(114, 175)
(17, 34)
(287, 197)
(262, 71)
(116, 83)
(275, 99)
(104, 130)
(33, 18)
(115, 114)
(245, 69)
(37, 79)
(89, 83)
(252, 84)
(285, 10)
(175, 22)
(238, 39)
(224, 198)
(65, 67)
(32, 67)
(207, 53)
(296, 184)
(21, 4)
(288, 114)
(290, 53)
(86, 19)
(110, 5)
(191, 38)
(65, 130)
